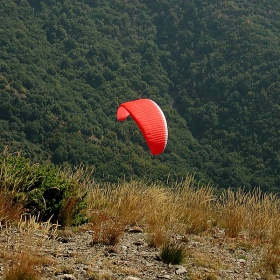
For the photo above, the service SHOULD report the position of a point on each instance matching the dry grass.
(24, 252)
(23, 265)
(255, 214)
(106, 230)
(204, 276)
(22, 268)
(271, 260)
(67, 211)
(10, 211)
(193, 206)
(93, 275)
(181, 207)
(204, 259)
(185, 209)
(231, 211)
(32, 225)
(124, 201)
(157, 237)
(81, 174)
(163, 212)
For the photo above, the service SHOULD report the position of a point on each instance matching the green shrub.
(43, 190)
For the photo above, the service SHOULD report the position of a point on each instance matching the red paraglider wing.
(122, 114)
(150, 120)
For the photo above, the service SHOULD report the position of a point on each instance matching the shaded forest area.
(212, 66)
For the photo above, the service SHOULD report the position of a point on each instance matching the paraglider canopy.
(150, 120)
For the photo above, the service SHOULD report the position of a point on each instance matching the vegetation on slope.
(212, 67)
(44, 191)
(169, 216)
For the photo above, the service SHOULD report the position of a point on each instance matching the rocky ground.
(72, 255)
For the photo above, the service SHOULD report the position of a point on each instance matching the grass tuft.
(172, 253)
(271, 260)
(106, 230)
(10, 211)
(23, 268)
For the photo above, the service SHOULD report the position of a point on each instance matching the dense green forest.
(212, 66)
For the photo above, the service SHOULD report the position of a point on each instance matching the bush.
(43, 190)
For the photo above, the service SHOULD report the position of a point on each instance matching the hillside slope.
(213, 68)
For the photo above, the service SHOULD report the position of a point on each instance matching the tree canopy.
(213, 68)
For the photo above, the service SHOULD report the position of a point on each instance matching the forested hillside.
(212, 66)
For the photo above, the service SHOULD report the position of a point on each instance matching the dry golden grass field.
(137, 230)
